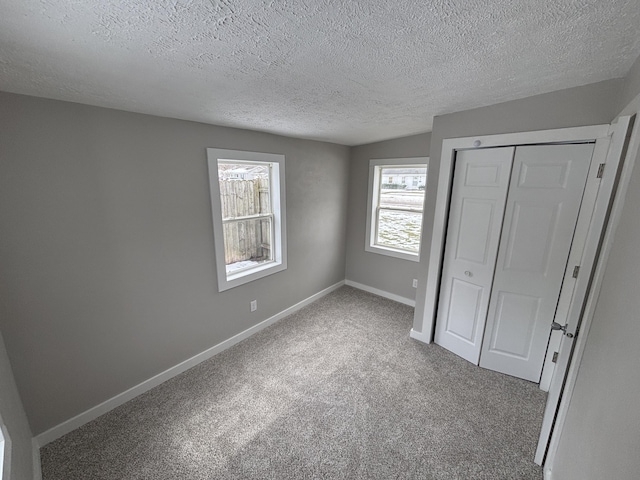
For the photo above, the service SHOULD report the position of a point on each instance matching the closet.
(512, 217)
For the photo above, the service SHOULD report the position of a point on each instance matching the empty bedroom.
(319, 239)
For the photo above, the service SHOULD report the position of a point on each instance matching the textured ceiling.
(349, 72)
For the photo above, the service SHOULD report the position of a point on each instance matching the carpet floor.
(336, 390)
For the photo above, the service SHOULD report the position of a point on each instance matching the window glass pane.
(244, 192)
(247, 243)
(399, 230)
(403, 187)
(244, 189)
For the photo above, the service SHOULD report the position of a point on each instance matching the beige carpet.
(337, 390)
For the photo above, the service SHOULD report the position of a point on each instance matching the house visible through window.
(247, 198)
(396, 198)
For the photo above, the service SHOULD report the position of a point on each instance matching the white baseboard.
(419, 336)
(37, 468)
(381, 293)
(94, 412)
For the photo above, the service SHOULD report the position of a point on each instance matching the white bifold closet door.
(540, 207)
(480, 183)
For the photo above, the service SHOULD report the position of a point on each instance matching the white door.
(478, 198)
(587, 286)
(544, 199)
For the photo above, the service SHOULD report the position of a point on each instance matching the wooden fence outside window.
(247, 219)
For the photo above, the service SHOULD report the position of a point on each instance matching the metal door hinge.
(555, 357)
(600, 170)
(576, 270)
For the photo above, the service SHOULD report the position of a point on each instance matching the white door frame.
(615, 134)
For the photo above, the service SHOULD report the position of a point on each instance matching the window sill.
(392, 252)
(240, 278)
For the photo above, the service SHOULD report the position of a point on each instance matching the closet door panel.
(481, 180)
(540, 218)
(464, 309)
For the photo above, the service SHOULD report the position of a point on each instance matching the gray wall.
(601, 436)
(106, 253)
(630, 87)
(15, 420)
(386, 273)
(587, 105)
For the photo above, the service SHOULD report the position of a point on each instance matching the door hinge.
(555, 357)
(600, 170)
(576, 270)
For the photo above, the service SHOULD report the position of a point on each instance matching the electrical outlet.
(254, 305)
(415, 283)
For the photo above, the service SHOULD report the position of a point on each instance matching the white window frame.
(373, 200)
(278, 205)
(5, 452)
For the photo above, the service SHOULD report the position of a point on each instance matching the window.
(5, 445)
(394, 218)
(248, 207)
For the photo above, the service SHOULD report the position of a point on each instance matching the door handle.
(557, 326)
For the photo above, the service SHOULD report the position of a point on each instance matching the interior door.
(593, 261)
(545, 194)
(481, 180)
